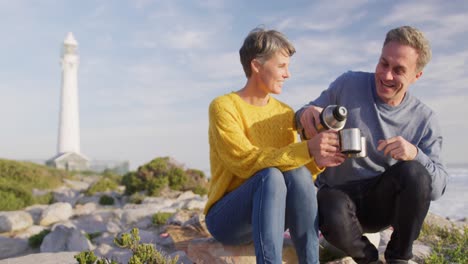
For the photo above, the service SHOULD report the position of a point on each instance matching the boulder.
(66, 195)
(14, 221)
(43, 258)
(63, 238)
(85, 209)
(208, 250)
(10, 247)
(55, 213)
(36, 211)
(28, 232)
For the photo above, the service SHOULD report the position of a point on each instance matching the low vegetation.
(142, 253)
(102, 185)
(449, 245)
(18, 179)
(106, 200)
(160, 218)
(161, 173)
(35, 241)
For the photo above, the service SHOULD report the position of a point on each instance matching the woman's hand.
(325, 148)
(309, 118)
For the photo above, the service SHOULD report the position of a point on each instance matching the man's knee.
(413, 175)
(335, 207)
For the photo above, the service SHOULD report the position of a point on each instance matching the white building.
(68, 154)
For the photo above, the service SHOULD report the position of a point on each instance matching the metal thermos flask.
(332, 117)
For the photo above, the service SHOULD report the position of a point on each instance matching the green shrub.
(448, 245)
(142, 253)
(160, 218)
(47, 198)
(177, 178)
(35, 241)
(9, 202)
(31, 175)
(155, 185)
(106, 200)
(132, 183)
(102, 185)
(14, 197)
(18, 179)
(136, 198)
(200, 190)
(161, 173)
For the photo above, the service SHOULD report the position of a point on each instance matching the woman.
(259, 186)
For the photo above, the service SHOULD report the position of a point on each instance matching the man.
(394, 184)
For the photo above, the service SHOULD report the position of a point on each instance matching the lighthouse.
(68, 154)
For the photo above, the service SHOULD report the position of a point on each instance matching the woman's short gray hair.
(262, 44)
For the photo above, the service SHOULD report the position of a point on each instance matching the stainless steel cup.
(362, 153)
(350, 140)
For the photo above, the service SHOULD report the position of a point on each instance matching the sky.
(149, 69)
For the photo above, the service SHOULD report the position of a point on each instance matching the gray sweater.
(411, 119)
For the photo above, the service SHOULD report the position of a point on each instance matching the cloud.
(322, 16)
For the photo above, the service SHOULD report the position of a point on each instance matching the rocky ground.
(75, 218)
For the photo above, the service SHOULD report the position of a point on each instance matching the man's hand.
(309, 118)
(398, 148)
(325, 148)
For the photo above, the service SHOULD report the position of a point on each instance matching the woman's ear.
(255, 65)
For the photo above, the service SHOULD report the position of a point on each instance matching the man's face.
(395, 71)
(274, 72)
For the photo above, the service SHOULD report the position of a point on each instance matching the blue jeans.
(262, 208)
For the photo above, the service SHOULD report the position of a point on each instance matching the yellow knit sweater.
(245, 139)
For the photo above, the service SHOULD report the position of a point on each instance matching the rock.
(29, 232)
(195, 204)
(420, 251)
(186, 195)
(162, 201)
(36, 211)
(182, 257)
(84, 209)
(84, 199)
(14, 221)
(208, 250)
(66, 195)
(63, 238)
(113, 227)
(43, 258)
(131, 216)
(77, 185)
(435, 220)
(55, 213)
(10, 247)
(179, 218)
(91, 223)
(117, 254)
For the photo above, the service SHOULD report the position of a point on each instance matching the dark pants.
(399, 197)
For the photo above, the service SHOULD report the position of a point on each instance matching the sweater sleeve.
(428, 155)
(240, 156)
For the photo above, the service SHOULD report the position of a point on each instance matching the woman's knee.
(273, 179)
(299, 179)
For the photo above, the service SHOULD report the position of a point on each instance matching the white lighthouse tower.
(68, 155)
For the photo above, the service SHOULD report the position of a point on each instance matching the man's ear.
(418, 75)
(255, 65)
